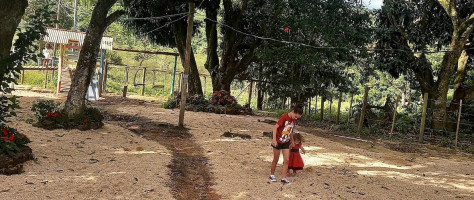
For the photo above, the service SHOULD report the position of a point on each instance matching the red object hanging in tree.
(287, 29)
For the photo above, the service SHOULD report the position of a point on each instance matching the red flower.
(85, 120)
(287, 29)
(221, 100)
(6, 139)
(55, 114)
(100, 114)
(12, 137)
(219, 95)
(5, 132)
(214, 101)
(49, 114)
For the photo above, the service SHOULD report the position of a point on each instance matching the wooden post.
(184, 88)
(179, 81)
(339, 107)
(394, 116)
(423, 118)
(143, 81)
(322, 108)
(459, 122)
(309, 103)
(205, 84)
(316, 105)
(46, 78)
(250, 93)
(125, 86)
(60, 68)
(330, 108)
(22, 76)
(106, 69)
(362, 113)
(350, 110)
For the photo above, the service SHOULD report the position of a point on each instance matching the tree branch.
(114, 16)
(469, 95)
(450, 9)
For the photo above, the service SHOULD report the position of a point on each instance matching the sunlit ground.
(374, 167)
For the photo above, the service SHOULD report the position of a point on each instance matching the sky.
(373, 4)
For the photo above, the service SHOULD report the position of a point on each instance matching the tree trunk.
(260, 93)
(233, 61)
(212, 61)
(10, 16)
(462, 29)
(460, 92)
(86, 64)
(194, 82)
(260, 98)
(448, 65)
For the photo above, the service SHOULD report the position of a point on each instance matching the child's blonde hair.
(298, 136)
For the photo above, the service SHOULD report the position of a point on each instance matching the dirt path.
(189, 171)
(140, 142)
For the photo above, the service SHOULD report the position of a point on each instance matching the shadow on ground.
(190, 174)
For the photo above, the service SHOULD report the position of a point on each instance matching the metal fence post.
(362, 113)
(423, 118)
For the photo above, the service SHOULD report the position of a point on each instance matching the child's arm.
(292, 143)
(274, 140)
(302, 149)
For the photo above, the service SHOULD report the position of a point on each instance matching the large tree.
(86, 64)
(237, 50)
(168, 31)
(301, 71)
(10, 16)
(414, 27)
(24, 48)
(229, 52)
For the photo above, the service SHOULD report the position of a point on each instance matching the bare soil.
(141, 154)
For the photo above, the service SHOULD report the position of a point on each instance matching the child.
(47, 55)
(295, 161)
(282, 139)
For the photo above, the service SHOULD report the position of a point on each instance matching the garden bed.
(14, 164)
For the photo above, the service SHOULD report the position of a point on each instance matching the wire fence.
(396, 120)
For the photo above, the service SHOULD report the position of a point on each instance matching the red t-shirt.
(285, 128)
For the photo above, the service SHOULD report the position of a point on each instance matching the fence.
(407, 120)
(411, 120)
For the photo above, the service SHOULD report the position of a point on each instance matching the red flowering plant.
(11, 141)
(90, 115)
(49, 117)
(46, 110)
(197, 102)
(222, 98)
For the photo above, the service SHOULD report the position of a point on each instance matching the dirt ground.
(141, 154)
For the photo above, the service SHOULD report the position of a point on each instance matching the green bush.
(351, 128)
(404, 123)
(170, 103)
(90, 115)
(11, 142)
(113, 58)
(42, 108)
(49, 116)
(446, 142)
(222, 98)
